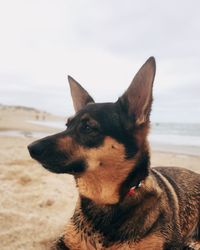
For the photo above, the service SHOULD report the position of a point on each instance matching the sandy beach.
(35, 204)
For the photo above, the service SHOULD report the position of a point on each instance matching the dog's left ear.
(137, 99)
(80, 96)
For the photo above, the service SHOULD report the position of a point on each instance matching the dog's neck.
(108, 219)
(113, 189)
(138, 174)
(107, 216)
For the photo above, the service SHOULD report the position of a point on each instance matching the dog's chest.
(95, 242)
(91, 242)
(97, 227)
(106, 236)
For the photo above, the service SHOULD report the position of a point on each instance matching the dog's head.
(102, 140)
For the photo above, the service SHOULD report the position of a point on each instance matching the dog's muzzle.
(47, 153)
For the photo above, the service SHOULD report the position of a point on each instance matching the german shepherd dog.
(123, 202)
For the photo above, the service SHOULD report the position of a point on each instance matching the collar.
(133, 189)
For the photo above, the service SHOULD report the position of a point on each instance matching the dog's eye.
(87, 129)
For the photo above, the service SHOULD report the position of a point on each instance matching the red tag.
(131, 191)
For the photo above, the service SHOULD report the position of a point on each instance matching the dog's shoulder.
(181, 188)
(179, 176)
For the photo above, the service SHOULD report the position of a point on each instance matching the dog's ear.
(79, 95)
(137, 99)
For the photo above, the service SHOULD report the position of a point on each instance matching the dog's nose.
(36, 149)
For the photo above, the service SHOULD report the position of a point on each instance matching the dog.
(124, 203)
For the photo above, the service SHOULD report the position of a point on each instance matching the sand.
(35, 205)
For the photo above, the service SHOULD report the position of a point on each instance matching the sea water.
(179, 137)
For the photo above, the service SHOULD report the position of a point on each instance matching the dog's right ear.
(79, 95)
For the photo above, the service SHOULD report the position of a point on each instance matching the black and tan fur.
(105, 147)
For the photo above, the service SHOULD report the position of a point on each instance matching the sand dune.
(35, 204)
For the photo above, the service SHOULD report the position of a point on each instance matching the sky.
(101, 44)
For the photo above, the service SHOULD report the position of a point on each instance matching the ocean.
(179, 137)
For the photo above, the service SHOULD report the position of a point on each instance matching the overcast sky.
(101, 44)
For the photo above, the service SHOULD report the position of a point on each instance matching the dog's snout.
(54, 155)
(36, 149)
